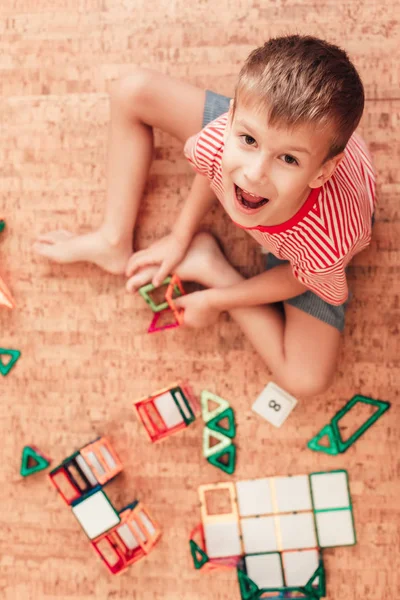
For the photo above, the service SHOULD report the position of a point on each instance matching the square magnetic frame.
(222, 539)
(265, 569)
(330, 490)
(231, 515)
(335, 528)
(297, 531)
(168, 409)
(95, 514)
(254, 497)
(300, 566)
(292, 493)
(259, 534)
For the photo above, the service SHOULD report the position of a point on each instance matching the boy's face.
(268, 172)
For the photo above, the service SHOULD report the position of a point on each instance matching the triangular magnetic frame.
(215, 459)
(215, 423)
(6, 368)
(207, 397)
(381, 406)
(30, 454)
(153, 325)
(248, 589)
(208, 449)
(2, 225)
(319, 575)
(199, 556)
(315, 444)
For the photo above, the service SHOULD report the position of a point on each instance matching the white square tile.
(265, 570)
(127, 537)
(96, 515)
(297, 531)
(168, 410)
(87, 471)
(299, 566)
(222, 539)
(254, 497)
(335, 528)
(293, 493)
(274, 404)
(259, 534)
(330, 490)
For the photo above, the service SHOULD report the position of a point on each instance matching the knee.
(306, 383)
(131, 90)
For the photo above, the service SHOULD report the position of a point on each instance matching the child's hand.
(164, 255)
(198, 309)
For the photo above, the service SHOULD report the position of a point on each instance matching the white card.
(274, 404)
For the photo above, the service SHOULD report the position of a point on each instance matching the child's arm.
(170, 250)
(275, 285)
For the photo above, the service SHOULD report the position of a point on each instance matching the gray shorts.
(308, 302)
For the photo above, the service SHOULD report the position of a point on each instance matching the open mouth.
(248, 200)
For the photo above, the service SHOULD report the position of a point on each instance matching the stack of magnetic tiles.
(223, 453)
(120, 538)
(273, 530)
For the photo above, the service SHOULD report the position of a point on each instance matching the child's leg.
(300, 350)
(139, 102)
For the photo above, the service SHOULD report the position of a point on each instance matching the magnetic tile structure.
(331, 432)
(273, 530)
(220, 428)
(120, 538)
(167, 411)
(165, 309)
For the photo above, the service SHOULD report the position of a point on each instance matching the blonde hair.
(298, 80)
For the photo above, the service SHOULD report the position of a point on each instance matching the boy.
(283, 161)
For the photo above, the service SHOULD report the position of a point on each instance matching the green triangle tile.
(223, 442)
(207, 397)
(215, 459)
(215, 423)
(2, 225)
(28, 455)
(318, 578)
(248, 589)
(315, 443)
(5, 368)
(199, 556)
(381, 407)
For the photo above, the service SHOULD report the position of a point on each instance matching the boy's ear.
(326, 171)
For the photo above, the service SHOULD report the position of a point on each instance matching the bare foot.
(204, 263)
(65, 247)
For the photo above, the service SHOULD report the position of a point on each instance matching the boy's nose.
(256, 172)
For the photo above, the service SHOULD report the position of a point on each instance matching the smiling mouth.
(248, 199)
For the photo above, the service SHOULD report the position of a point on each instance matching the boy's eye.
(248, 140)
(289, 159)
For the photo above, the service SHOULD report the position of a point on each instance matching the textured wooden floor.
(85, 351)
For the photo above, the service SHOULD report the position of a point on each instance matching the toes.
(142, 278)
(53, 237)
(47, 250)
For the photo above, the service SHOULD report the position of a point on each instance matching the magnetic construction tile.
(265, 569)
(297, 531)
(292, 493)
(299, 566)
(95, 514)
(254, 497)
(330, 490)
(168, 410)
(335, 528)
(259, 534)
(222, 539)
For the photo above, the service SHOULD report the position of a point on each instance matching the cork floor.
(85, 351)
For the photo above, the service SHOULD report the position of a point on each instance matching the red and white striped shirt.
(331, 227)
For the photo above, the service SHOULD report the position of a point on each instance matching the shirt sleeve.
(330, 284)
(191, 152)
